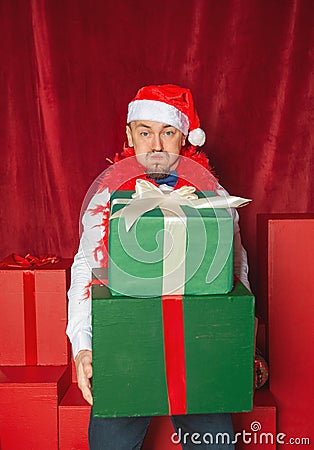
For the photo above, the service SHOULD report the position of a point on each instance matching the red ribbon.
(30, 326)
(173, 323)
(28, 261)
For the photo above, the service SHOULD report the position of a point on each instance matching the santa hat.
(168, 104)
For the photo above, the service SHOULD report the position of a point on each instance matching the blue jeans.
(194, 431)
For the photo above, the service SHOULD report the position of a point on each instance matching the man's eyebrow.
(142, 125)
(149, 127)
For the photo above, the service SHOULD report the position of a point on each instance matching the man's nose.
(157, 144)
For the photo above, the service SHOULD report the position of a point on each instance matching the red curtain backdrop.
(69, 68)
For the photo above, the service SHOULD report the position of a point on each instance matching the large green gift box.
(172, 354)
(163, 254)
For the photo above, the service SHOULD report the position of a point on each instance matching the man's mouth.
(155, 170)
(157, 165)
(156, 156)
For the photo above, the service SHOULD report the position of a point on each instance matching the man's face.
(157, 146)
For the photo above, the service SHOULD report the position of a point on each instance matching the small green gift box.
(169, 250)
(172, 354)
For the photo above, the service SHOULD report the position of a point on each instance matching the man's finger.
(86, 392)
(88, 371)
(85, 386)
(83, 362)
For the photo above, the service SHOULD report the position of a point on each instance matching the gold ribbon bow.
(147, 196)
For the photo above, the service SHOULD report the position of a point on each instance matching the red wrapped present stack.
(35, 369)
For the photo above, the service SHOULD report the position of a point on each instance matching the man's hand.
(84, 372)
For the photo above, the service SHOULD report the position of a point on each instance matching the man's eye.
(169, 133)
(144, 133)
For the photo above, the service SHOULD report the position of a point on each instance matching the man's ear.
(183, 140)
(129, 135)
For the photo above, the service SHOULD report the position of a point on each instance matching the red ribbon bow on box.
(28, 261)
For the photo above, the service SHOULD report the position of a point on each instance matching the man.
(162, 126)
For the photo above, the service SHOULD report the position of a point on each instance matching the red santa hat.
(170, 104)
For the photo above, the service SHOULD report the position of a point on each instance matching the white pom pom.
(197, 137)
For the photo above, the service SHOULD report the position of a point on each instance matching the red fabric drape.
(68, 70)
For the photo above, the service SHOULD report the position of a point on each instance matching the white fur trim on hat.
(197, 137)
(157, 111)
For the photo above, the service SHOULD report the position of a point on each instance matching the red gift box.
(34, 314)
(74, 413)
(29, 399)
(286, 257)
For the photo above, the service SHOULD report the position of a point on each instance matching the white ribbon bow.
(147, 196)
